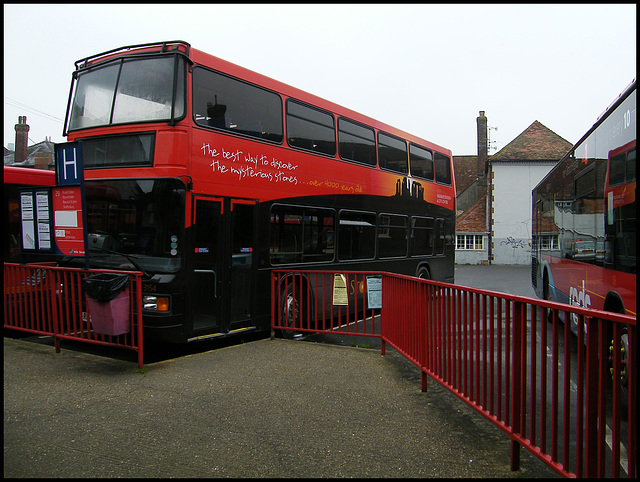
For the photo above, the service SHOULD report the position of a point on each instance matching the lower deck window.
(301, 235)
(357, 235)
(392, 236)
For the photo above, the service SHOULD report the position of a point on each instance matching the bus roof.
(207, 60)
(29, 176)
(286, 90)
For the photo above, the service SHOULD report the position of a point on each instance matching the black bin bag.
(104, 287)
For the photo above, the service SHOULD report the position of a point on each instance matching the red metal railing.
(50, 301)
(511, 358)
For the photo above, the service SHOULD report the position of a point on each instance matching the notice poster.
(28, 221)
(374, 292)
(43, 220)
(340, 297)
(67, 220)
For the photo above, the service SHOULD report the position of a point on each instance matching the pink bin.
(112, 317)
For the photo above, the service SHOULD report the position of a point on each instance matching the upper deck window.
(392, 153)
(356, 142)
(127, 91)
(310, 128)
(421, 162)
(443, 169)
(622, 168)
(235, 106)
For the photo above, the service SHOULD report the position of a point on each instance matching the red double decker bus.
(208, 176)
(584, 218)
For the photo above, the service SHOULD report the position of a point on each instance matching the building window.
(547, 241)
(470, 242)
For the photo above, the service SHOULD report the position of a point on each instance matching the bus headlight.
(155, 303)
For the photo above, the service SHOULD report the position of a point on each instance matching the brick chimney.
(22, 139)
(482, 147)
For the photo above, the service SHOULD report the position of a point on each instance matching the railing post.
(273, 305)
(55, 287)
(592, 395)
(139, 319)
(519, 378)
(383, 315)
(423, 380)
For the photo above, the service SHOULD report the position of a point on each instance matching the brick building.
(496, 228)
(38, 155)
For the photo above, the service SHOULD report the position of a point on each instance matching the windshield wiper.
(129, 258)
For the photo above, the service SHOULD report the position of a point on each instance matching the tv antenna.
(491, 144)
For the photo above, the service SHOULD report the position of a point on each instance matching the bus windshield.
(129, 90)
(139, 219)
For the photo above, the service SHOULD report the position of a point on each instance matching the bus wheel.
(624, 351)
(423, 273)
(290, 314)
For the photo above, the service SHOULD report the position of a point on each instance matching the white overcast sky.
(426, 69)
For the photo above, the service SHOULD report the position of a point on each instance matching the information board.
(67, 224)
(35, 216)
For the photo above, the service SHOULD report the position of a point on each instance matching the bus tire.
(423, 273)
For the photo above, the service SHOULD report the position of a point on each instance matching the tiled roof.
(473, 219)
(535, 143)
(465, 170)
(41, 148)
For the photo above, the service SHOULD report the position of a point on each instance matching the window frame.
(411, 163)
(302, 255)
(277, 113)
(373, 227)
(469, 242)
(386, 231)
(439, 156)
(309, 120)
(362, 126)
(384, 165)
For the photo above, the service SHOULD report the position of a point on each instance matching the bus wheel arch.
(423, 271)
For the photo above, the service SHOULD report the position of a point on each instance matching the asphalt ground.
(267, 408)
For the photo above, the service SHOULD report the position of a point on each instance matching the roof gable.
(535, 143)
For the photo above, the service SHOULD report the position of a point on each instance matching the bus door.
(204, 286)
(221, 294)
(240, 281)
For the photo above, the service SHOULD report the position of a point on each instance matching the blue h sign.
(69, 164)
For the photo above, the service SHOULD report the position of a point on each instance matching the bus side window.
(616, 169)
(356, 142)
(310, 128)
(443, 169)
(392, 153)
(421, 161)
(356, 235)
(631, 165)
(222, 102)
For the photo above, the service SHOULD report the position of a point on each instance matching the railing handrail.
(41, 308)
(493, 356)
